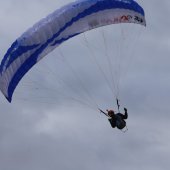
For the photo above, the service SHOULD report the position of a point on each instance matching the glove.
(125, 109)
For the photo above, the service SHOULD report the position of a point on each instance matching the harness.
(120, 123)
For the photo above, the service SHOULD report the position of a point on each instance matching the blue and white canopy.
(63, 24)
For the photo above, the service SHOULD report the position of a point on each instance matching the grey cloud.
(46, 129)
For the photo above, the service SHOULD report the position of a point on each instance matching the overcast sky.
(46, 127)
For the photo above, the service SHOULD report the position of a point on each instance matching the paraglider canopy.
(63, 24)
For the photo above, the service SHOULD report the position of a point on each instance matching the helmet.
(110, 113)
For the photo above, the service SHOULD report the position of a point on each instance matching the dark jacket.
(118, 121)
